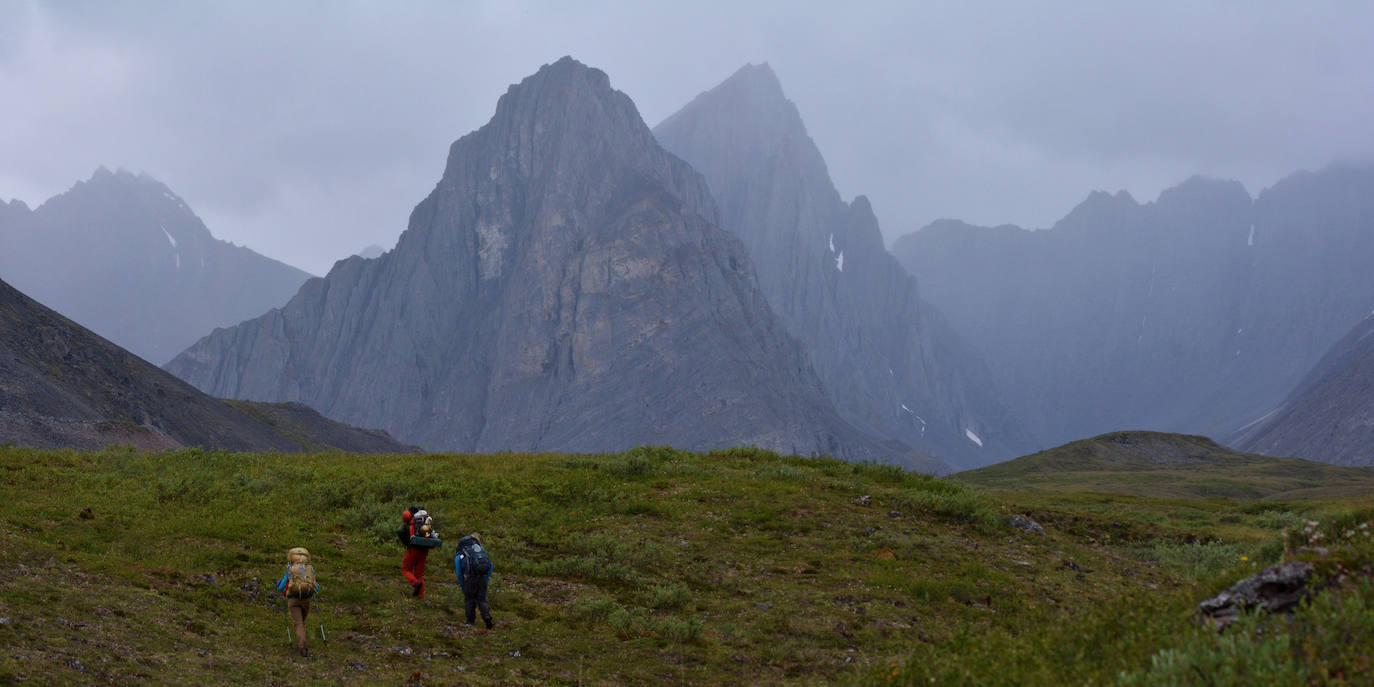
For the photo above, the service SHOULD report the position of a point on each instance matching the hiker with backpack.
(298, 587)
(418, 534)
(473, 567)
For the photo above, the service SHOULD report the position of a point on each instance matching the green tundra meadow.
(657, 566)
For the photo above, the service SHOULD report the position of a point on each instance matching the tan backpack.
(300, 574)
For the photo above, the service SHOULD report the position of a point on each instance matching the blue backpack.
(477, 562)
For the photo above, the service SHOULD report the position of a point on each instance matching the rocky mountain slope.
(566, 287)
(1194, 313)
(62, 386)
(890, 365)
(126, 257)
(1330, 415)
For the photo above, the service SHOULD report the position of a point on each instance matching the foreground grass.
(648, 567)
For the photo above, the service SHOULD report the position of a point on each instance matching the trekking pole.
(286, 613)
(320, 613)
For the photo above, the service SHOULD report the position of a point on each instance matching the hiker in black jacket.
(473, 567)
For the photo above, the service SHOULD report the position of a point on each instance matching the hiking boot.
(489, 623)
(305, 653)
(417, 587)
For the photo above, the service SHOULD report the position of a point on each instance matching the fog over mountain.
(308, 141)
(565, 287)
(890, 365)
(1197, 312)
(126, 257)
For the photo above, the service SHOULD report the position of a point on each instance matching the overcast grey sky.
(307, 130)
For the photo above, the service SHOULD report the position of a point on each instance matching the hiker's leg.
(482, 599)
(420, 569)
(298, 609)
(469, 600)
(408, 566)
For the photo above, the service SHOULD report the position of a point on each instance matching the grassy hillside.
(647, 567)
(1171, 465)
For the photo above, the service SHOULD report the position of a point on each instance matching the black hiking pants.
(475, 597)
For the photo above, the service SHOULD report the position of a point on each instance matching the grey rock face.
(564, 287)
(1196, 313)
(61, 386)
(1330, 416)
(890, 365)
(1276, 589)
(124, 256)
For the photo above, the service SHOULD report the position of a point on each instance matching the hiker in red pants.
(413, 565)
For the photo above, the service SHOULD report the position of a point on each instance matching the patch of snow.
(839, 261)
(890, 374)
(169, 195)
(832, 243)
(905, 408)
(973, 437)
(1258, 420)
(1240, 331)
(177, 253)
(923, 424)
(1251, 241)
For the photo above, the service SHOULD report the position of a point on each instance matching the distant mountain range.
(62, 386)
(565, 287)
(1194, 313)
(891, 365)
(126, 257)
(576, 282)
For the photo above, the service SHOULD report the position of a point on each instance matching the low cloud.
(309, 130)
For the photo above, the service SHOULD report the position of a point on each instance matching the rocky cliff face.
(564, 287)
(1194, 313)
(124, 256)
(890, 365)
(1330, 415)
(62, 386)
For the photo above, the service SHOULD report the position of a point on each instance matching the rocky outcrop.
(1330, 415)
(62, 386)
(1276, 589)
(565, 287)
(126, 257)
(1027, 525)
(1195, 313)
(890, 365)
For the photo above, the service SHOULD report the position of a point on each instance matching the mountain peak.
(560, 117)
(1201, 186)
(754, 100)
(758, 78)
(121, 178)
(1099, 209)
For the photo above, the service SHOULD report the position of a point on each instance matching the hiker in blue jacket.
(298, 586)
(473, 567)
